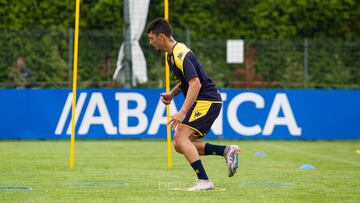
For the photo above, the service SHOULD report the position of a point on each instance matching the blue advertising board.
(139, 113)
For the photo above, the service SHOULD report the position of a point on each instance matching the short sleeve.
(183, 60)
(189, 68)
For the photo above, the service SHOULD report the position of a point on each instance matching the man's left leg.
(183, 145)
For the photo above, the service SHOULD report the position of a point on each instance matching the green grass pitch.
(142, 164)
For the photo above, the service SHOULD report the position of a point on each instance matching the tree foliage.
(207, 21)
(211, 19)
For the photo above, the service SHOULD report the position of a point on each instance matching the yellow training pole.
(167, 82)
(76, 42)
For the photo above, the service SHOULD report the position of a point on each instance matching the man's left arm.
(192, 93)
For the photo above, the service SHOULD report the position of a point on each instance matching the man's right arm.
(167, 97)
(175, 91)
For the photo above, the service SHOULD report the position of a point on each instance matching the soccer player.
(201, 106)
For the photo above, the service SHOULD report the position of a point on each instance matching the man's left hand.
(176, 120)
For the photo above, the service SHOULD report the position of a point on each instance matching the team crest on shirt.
(197, 114)
(180, 55)
(178, 81)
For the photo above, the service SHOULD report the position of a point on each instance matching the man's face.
(156, 41)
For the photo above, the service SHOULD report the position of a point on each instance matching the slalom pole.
(167, 84)
(76, 42)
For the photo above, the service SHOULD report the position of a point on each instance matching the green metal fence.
(300, 63)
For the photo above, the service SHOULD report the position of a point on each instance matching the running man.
(201, 106)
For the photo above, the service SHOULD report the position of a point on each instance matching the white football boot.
(231, 156)
(202, 185)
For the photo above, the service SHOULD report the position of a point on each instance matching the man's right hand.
(166, 98)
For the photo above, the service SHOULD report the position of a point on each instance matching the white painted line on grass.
(312, 155)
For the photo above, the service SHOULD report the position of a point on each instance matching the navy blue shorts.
(201, 116)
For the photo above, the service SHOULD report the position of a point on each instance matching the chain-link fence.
(44, 59)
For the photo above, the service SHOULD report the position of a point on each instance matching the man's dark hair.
(159, 25)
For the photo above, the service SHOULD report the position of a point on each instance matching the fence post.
(188, 37)
(306, 58)
(127, 45)
(71, 46)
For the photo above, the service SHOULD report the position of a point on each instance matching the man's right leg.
(231, 155)
(229, 152)
(203, 148)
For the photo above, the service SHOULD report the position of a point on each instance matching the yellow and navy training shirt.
(184, 66)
